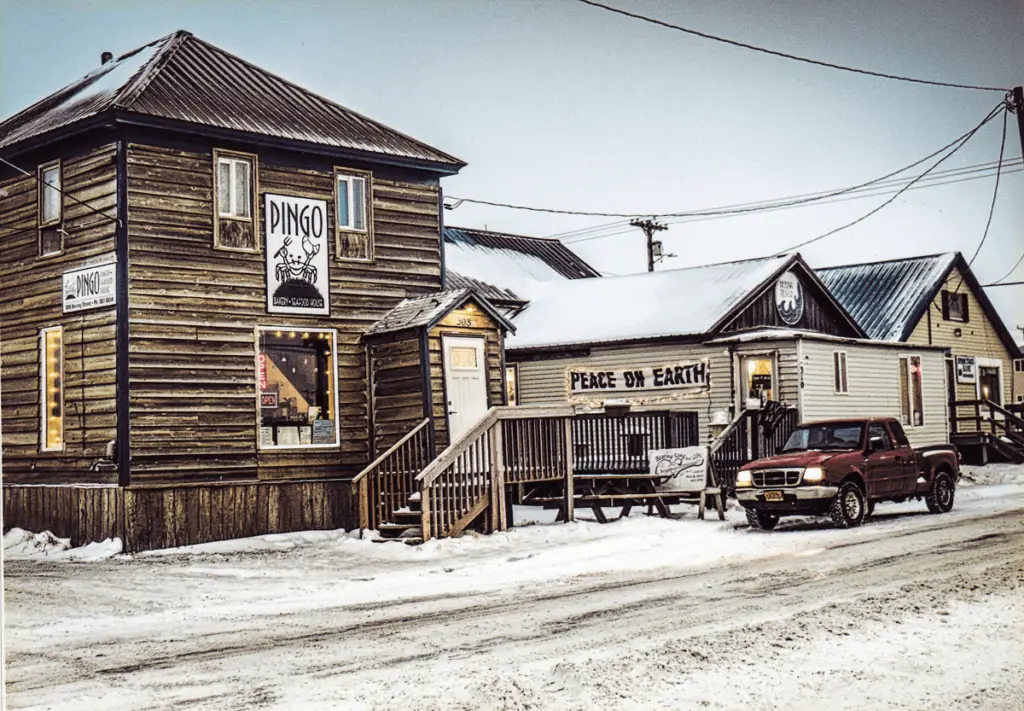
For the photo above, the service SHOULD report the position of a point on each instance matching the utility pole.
(1018, 108)
(649, 227)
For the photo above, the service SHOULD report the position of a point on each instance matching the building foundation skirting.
(151, 517)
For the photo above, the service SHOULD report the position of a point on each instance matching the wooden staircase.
(990, 431)
(405, 524)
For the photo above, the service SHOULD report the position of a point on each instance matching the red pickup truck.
(842, 468)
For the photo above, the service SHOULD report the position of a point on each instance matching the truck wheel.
(761, 520)
(940, 498)
(849, 507)
(870, 510)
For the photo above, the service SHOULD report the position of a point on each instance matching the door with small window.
(465, 376)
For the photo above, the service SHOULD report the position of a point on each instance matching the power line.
(1005, 283)
(894, 197)
(787, 55)
(735, 210)
(51, 187)
(1004, 276)
(995, 193)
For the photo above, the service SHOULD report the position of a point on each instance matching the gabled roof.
(427, 311)
(889, 298)
(514, 265)
(181, 78)
(494, 294)
(674, 302)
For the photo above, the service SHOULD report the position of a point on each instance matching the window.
(954, 306)
(898, 434)
(1018, 365)
(235, 190)
(51, 210)
(911, 396)
(296, 384)
(462, 358)
(512, 384)
(839, 372)
(51, 348)
(877, 430)
(354, 211)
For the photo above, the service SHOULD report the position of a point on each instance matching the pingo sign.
(789, 299)
(297, 273)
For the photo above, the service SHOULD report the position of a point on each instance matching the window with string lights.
(51, 347)
(297, 388)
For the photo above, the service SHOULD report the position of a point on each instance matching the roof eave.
(102, 119)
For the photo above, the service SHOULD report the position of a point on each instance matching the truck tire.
(849, 507)
(870, 510)
(761, 520)
(940, 498)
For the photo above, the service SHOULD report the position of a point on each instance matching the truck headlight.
(814, 474)
(743, 478)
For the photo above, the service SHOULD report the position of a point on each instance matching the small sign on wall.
(789, 298)
(683, 469)
(966, 369)
(89, 288)
(583, 383)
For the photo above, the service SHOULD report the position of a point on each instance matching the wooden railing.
(987, 418)
(386, 484)
(469, 477)
(752, 435)
(622, 444)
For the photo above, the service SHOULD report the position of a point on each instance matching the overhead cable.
(995, 192)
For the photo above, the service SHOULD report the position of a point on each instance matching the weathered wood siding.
(977, 337)
(874, 386)
(81, 513)
(194, 310)
(398, 385)
(464, 322)
(30, 299)
(818, 315)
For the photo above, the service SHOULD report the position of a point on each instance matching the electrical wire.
(892, 199)
(786, 55)
(995, 192)
(59, 190)
(1004, 276)
(735, 210)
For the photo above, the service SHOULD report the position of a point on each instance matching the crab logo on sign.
(789, 299)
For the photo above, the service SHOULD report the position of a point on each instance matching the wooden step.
(396, 531)
(407, 517)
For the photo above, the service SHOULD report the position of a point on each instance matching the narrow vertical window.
(52, 388)
(354, 216)
(512, 384)
(911, 391)
(839, 371)
(51, 211)
(235, 188)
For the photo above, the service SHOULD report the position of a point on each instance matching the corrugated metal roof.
(887, 298)
(184, 78)
(551, 252)
(674, 302)
(489, 291)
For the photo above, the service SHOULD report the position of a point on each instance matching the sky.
(561, 105)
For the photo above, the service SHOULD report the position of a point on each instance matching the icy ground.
(911, 611)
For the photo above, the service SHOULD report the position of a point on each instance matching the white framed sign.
(89, 288)
(297, 266)
(685, 468)
(789, 298)
(583, 383)
(966, 369)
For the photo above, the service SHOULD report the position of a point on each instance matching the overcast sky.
(562, 105)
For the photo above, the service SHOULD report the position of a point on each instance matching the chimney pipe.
(106, 57)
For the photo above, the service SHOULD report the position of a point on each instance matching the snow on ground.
(992, 474)
(20, 545)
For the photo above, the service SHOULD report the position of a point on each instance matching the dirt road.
(917, 612)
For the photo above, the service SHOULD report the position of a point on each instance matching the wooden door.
(465, 379)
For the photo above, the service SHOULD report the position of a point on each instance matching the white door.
(465, 376)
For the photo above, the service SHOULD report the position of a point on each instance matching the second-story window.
(51, 210)
(954, 306)
(354, 215)
(234, 185)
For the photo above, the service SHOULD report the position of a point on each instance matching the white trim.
(910, 391)
(333, 385)
(979, 363)
(44, 427)
(233, 195)
(350, 178)
(844, 373)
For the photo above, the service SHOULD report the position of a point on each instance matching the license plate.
(773, 496)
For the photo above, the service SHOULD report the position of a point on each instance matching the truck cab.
(842, 468)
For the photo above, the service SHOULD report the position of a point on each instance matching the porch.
(986, 431)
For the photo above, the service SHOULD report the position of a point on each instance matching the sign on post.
(297, 272)
(684, 469)
(89, 288)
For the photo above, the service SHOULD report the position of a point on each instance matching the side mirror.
(875, 443)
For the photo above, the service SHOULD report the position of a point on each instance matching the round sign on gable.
(789, 298)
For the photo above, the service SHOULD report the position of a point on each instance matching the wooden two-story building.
(194, 253)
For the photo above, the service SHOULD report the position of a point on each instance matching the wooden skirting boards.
(147, 518)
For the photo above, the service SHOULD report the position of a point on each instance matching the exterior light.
(814, 474)
(743, 478)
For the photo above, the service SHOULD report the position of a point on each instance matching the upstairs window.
(954, 306)
(51, 424)
(839, 372)
(354, 215)
(1018, 365)
(234, 227)
(51, 210)
(911, 393)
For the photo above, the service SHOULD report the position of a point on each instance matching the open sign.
(268, 399)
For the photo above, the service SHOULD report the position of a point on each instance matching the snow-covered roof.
(887, 298)
(675, 302)
(775, 334)
(428, 310)
(514, 264)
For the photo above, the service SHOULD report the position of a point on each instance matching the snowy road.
(911, 611)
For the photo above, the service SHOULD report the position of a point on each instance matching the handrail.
(391, 450)
(720, 440)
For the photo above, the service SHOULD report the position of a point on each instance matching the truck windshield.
(831, 435)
